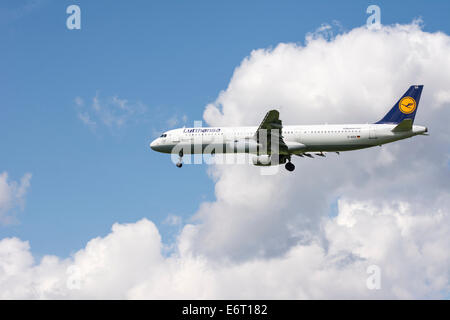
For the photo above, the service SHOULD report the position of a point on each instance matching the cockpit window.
(163, 135)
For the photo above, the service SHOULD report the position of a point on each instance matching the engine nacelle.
(263, 160)
(267, 160)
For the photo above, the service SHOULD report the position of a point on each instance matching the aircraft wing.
(271, 128)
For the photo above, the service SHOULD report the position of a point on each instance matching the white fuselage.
(299, 139)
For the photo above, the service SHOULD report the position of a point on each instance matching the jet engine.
(268, 160)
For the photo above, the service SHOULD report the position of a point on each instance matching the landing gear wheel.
(180, 162)
(289, 166)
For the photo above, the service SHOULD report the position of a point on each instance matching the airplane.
(273, 144)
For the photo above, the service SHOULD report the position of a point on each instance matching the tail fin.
(406, 107)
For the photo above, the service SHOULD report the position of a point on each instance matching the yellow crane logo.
(407, 105)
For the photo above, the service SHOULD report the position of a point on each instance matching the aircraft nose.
(153, 145)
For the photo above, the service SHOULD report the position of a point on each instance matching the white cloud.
(172, 121)
(112, 112)
(410, 249)
(175, 120)
(306, 83)
(173, 220)
(8, 15)
(79, 101)
(271, 236)
(325, 31)
(86, 119)
(12, 196)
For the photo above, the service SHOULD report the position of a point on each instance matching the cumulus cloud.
(12, 196)
(128, 263)
(112, 112)
(355, 77)
(274, 236)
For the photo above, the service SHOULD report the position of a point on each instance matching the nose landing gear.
(180, 161)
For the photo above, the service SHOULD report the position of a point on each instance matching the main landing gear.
(289, 165)
(180, 161)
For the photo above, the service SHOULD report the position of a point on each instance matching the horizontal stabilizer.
(405, 125)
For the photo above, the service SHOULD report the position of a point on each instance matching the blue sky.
(172, 57)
